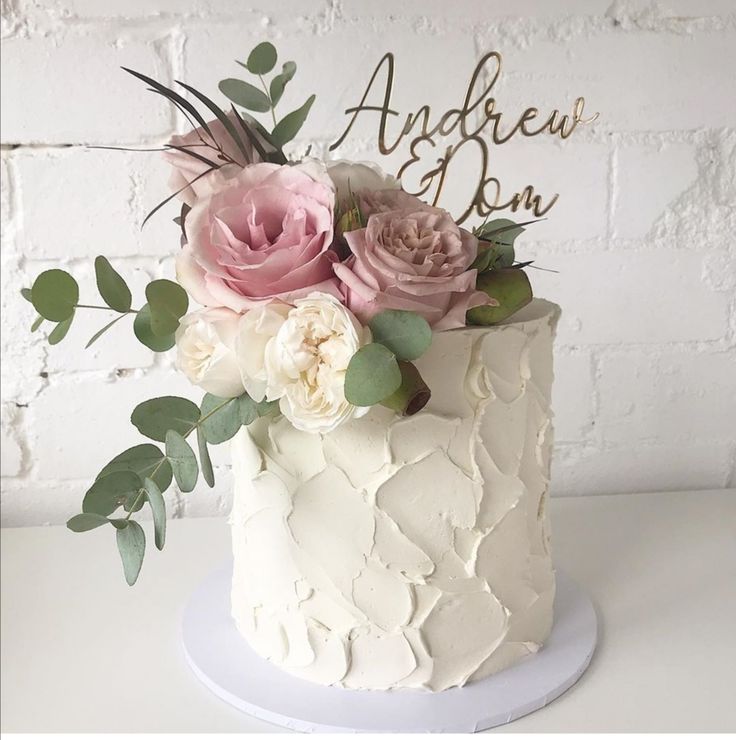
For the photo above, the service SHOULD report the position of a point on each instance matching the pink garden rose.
(187, 168)
(261, 235)
(414, 258)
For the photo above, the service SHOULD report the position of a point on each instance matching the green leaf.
(146, 461)
(60, 330)
(167, 302)
(99, 333)
(288, 127)
(248, 410)
(225, 419)
(262, 59)
(55, 294)
(132, 547)
(264, 408)
(373, 375)
(143, 331)
(112, 287)
(278, 83)
(205, 462)
(183, 461)
(153, 418)
(37, 322)
(85, 522)
(510, 287)
(26, 293)
(405, 333)
(110, 491)
(158, 510)
(245, 95)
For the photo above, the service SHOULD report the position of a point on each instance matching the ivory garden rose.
(412, 257)
(263, 234)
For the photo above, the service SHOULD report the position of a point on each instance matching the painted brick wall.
(642, 237)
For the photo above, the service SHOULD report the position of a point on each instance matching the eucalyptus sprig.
(55, 296)
(142, 473)
(261, 61)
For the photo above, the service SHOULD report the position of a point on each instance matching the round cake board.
(222, 659)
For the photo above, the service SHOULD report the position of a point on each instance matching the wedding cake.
(406, 551)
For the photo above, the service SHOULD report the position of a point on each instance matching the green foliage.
(85, 522)
(155, 417)
(37, 323)
(220, 418)
(262, 59)
(131, 541)
(107, 493)
(245, 95)
(205, 461)
(144, 332)
(183, 461)
(61, 330)
(373, 375)
(405, 333)
(55, 294)
(167, 303)
(112, 287)
(510, 287)
(158, 511)
(412, 395)
(146, 461)
(26, 293)
(99, 333)
(279, 82)
(288, 127)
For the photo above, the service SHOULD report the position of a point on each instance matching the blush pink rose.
(261, 235)
(220, 148)
(413, 258)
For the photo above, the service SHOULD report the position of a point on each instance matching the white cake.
(406, 551)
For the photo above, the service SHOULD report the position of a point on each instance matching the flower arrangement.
(319, 284)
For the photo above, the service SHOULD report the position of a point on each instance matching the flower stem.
(268, 95)
(105, 308)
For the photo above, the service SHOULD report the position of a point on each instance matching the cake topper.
(426, 132)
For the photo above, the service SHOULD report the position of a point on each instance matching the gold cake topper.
(487, 195)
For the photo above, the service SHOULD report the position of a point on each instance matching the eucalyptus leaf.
(54, 294)
(132, 547)
(167, 302)
(146, 461)
(248, 410)
(26, 293)
(205, 462)
(158, 511)
(155, 417)
(279, 82)
(221, 418)
(144, 333)
(112, 287)
(265, 408)
(183, 461)
(99, 333)
(373, 374)
(288, 127)
(108, 492)
(61, 330)
(85, 522)
(245, 95)
(37, 323)
(262, 59)
(405, 333)
(510, 287)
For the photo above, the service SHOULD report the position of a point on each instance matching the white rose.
(357, 177)
(255, 329)
(307, 359)
(204, 351)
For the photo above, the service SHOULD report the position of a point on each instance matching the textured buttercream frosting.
(406, 551)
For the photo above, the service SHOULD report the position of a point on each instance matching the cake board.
(222, 659)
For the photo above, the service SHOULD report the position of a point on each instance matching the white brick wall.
(642, 236)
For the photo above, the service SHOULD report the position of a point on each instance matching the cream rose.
(204, 351)
(306, 361)
(356, 179)
(255, 329)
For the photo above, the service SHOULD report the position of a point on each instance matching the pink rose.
(218, 148)
(413, 258)
(263, 234)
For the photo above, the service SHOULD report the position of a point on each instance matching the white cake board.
(222, 659)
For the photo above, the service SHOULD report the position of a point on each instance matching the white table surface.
(83, 652)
